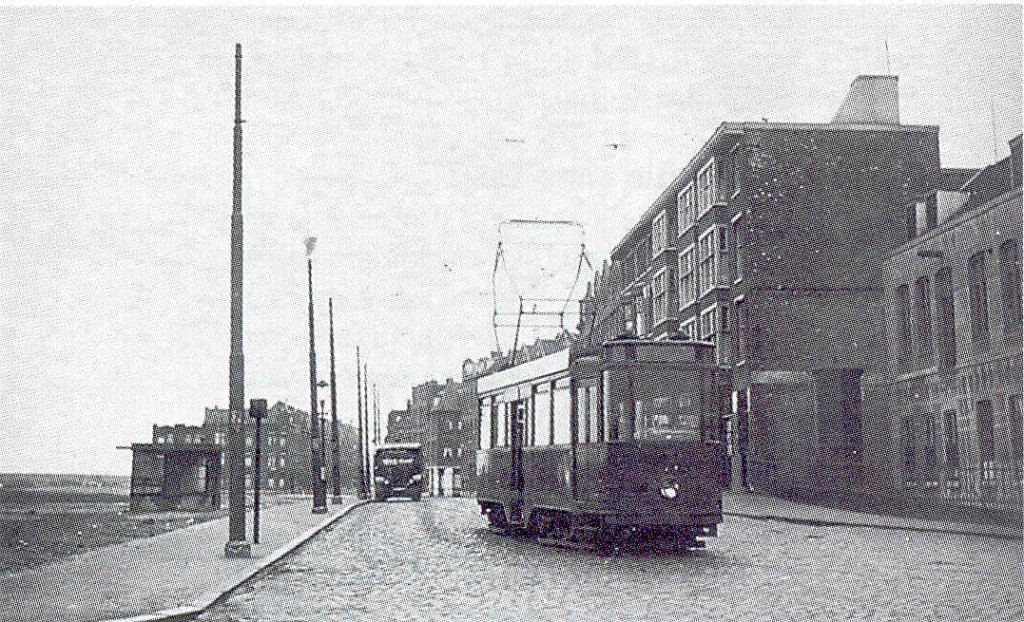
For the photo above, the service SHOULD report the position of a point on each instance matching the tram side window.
(529, 431)
(582, 414)
(498, 424)
(618, 405)
(589, 417)
(563, 412)
(542, 413)
(611, 417)
(506, 423)
(484, 441)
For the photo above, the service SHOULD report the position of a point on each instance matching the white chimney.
(872, 99)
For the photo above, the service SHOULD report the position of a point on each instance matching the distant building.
(953, 317)
(450, 440)
(769, 244)
(409, 425)
(285, 451)
(180, 433)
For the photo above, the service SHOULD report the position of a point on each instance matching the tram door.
(517, 435)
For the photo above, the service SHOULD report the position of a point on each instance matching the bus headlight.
(669, 492)
(417, 478)
(378, 478)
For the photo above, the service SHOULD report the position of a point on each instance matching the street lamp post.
(316, 464)
(361, 492)
(335, 449)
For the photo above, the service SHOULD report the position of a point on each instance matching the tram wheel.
(559, 529)
(496, 519)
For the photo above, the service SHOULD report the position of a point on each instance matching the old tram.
(621, 442)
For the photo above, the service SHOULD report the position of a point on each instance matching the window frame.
(687, 276)
(923, 339)
(977, 284)
(1010, 286)
(659, 234)
(686, 208)
(709, 326)
(659, 296)
(707, 188)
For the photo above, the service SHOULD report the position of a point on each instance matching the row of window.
(272, 461)
(447, 452)
(272, 483)
(659, 403)
(722, 325)
(702, 267)
(692, 202)
(927, 307)
(716, 260)
(920, 439)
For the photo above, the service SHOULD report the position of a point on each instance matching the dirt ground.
(40, 524)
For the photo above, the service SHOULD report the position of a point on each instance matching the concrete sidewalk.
(764, 507)
(174, 574)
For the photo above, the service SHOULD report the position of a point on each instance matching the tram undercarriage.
(594, 532)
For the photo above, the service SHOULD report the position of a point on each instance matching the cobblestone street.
(435, 560)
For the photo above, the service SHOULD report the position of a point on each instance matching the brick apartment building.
(450, 439)
(953, 307)
(409, 425)
(285, 451)
(769, 244)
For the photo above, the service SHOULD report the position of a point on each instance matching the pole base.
(319, 509)
(237, 548)
(337, 500)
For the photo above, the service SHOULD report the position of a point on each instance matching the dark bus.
(398, 471)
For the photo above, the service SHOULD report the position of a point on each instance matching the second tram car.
(623, 443)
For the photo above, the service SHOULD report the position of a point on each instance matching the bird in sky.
(616, 145)
(514, 140)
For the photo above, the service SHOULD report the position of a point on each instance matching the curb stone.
(207, 600)
(815, 522)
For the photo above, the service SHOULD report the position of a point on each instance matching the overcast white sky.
(383, 133)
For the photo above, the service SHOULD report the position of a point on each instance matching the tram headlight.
(669, 492)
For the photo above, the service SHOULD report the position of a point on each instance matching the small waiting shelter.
(175, 476)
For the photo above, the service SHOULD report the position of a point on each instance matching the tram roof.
(545, 366)
(630, 341)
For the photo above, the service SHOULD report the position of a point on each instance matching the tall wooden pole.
(237, 546)
(366, 430)
(359, 425)
(335, 448)
(315, 444)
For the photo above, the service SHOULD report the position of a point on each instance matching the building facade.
(953, 318)
(285, 451)
(450, 440)
(769, 244)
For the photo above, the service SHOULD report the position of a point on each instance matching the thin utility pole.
(237, 546)
(335, 450)
(359, 425)
(376, 415)
(366, 430)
